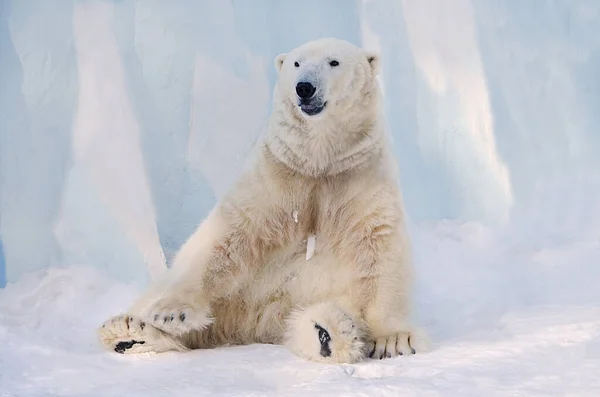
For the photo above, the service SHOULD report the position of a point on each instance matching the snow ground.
(508, 315)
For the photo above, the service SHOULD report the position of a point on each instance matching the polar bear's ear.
(373, 59)
(279, 61)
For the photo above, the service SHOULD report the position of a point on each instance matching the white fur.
(347, 334)
(243, 276)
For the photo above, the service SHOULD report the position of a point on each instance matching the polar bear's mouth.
(311, 109)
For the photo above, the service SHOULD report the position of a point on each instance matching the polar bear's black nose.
(305, 90)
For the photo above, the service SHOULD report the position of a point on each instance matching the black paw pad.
(126, 345)
(156, 317)
(182, 317)
(324, 339)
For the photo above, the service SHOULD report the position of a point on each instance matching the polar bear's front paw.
(398, 344)
(177, 318)
(325, 333)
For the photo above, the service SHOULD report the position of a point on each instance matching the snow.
(505, 318)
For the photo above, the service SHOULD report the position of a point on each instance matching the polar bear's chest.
(317, 223)
(308, 238)
(308, 266)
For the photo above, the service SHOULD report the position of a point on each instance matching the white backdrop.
(121, 122)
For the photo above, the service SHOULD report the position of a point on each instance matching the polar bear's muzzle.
(312, 109)
(309, 101)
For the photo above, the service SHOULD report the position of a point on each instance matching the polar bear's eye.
(334, 63)
(296, 64)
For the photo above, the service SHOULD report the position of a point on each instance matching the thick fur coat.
(309, 248)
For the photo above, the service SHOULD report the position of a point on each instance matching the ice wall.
(121, 122)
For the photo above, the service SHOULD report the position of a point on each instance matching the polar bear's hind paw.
(122, 346)
(324, 339)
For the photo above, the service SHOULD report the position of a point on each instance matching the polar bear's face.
(325, 76)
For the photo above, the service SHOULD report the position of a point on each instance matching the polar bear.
(309, 247)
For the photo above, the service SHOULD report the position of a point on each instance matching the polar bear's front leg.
(388, 312)
(324, 332)
(378, 250)
(215, 262)
(177, 303)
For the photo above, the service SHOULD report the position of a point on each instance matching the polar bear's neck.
(324, 149)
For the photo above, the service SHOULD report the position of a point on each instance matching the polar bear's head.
(327, 115)
(326, 77)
